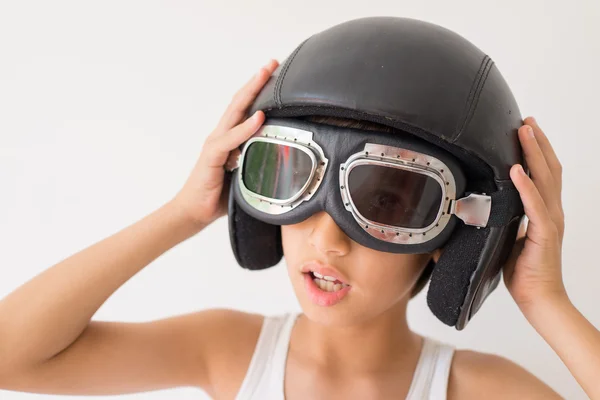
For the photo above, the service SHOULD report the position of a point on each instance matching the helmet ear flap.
(452, 275)
(255, 244)
(469, 270)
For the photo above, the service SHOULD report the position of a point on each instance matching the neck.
(373, 344)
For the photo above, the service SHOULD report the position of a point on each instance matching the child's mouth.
(327, 283)
(324, 290)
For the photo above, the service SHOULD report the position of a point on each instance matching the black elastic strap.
(506, 205)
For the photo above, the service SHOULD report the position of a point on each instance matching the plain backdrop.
(104, 107)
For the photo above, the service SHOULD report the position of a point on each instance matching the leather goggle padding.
(338, 144)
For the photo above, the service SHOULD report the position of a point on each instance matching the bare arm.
(47, 314)
(48, 342)
(533, 274)
(572, 337)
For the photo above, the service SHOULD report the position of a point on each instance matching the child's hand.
(533, 273)
(204, 196)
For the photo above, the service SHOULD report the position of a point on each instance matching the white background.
(104, 107)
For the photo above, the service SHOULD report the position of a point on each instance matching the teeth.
(319, 283)
(326, 277)
(328, 286)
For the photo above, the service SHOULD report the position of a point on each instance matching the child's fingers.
(540, 173)
(535, 208)
(236, 111)
(549, 153)
(218, 147)
(242, 132)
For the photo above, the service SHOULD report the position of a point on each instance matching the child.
(352, 340)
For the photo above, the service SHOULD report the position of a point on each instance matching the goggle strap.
(506, 205)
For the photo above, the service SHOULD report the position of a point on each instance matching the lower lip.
(321, 297)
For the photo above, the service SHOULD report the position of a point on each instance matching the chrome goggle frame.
(298, 139)
(474, 209)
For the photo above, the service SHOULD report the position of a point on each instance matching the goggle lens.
(393, 196)
(276, 171)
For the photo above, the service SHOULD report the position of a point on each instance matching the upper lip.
(323, 269)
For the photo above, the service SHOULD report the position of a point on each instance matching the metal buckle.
(474, 210)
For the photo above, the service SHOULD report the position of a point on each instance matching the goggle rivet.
(341, 187)
(342, 168)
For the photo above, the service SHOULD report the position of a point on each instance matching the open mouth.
(327, 283)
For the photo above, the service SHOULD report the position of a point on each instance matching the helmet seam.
(475, 94)
(279, 83)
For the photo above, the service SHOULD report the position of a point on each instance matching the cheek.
(292, 241)
(392, 275)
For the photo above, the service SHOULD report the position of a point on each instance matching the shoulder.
(476, 375)
(224, 342)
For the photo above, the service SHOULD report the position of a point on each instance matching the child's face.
(378, 280)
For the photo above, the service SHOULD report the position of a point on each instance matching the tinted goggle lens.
(393, 196)
(276, 171)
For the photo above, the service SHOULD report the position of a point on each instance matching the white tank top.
(265, 375)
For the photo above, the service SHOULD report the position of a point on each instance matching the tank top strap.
(430, 379)
(281, 352)
(265, 373)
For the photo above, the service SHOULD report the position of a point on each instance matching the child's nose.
(327, 237)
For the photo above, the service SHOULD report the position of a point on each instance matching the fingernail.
(529, 131)
(521, 170)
